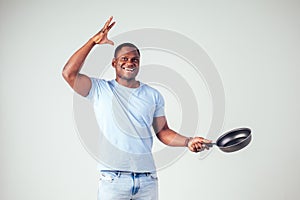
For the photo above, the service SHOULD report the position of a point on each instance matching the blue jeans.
(114, 185)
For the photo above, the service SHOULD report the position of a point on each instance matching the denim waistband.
(119, 173)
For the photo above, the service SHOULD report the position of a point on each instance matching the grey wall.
(253, 44)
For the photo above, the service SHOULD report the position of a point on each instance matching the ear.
(114, 62)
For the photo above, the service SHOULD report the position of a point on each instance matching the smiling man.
(126, 62)
(126, 110)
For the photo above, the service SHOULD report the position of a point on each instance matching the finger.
(205, 140)
(106, 29)
(198, 139)
(194, 148)
(110, 26)
(108, 22)
(105, 25)
(198, 145)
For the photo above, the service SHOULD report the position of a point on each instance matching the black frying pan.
(233, 140)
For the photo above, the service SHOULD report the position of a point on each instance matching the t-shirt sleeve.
(160, 106)
(96, 89)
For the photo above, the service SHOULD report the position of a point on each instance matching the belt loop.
(118, 174)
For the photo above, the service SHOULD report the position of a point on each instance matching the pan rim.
(234, 130)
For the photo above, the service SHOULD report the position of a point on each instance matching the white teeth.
(129, 69)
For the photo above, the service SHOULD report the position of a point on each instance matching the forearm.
(172, 138)
(74, 64)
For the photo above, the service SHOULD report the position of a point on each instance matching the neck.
(132, 83)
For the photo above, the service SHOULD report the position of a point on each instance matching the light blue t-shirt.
(124, 116)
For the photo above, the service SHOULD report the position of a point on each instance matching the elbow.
(69, 77)
(65, 74)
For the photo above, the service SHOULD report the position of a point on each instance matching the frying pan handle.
(209, 144)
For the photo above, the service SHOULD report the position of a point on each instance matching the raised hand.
(101, 36)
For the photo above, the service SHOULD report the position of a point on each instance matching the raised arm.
(80, 82)
(172, 138)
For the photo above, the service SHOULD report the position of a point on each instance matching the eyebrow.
(124, 54)
(135, 57)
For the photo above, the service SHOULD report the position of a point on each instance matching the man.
(126, 110)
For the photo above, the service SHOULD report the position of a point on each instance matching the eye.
(135, 60)
(124, 59)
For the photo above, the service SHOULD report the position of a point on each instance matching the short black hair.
(126, 44)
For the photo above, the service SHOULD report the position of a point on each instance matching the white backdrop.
(255, 46)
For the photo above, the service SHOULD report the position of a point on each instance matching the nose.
(129, 62)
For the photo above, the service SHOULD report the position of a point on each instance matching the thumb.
(110, 42)
(206, 141)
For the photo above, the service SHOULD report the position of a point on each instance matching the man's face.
(127, 63)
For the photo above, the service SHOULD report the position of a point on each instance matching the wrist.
(187, 141)
(92, 41)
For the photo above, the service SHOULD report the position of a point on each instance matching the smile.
(129, 69)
